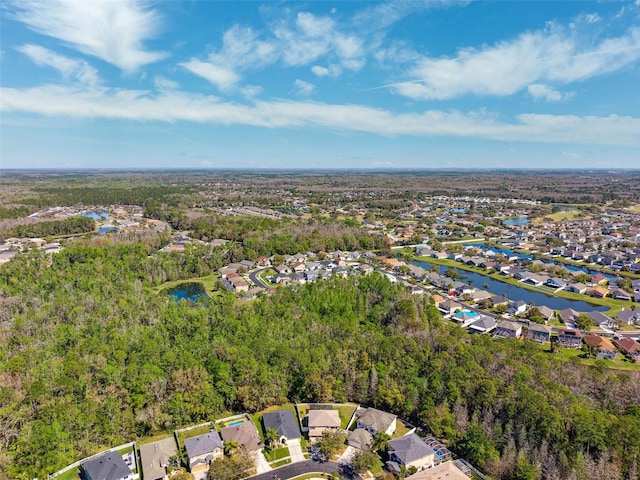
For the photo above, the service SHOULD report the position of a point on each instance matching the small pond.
(515, 221)
(107, 229)
(188, 291)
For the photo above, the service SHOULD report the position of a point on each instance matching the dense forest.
(91, 356)
(70, 226)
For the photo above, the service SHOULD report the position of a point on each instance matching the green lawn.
(310, 476)
(281, 463)
(154, 438)
(346, 412)
(193, 433)
(277, 454)
(71, 474)
(401, 429)
(560, 216)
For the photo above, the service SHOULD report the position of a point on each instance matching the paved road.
(253, 276)
(300, 468)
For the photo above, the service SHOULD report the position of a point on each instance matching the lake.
(515, 293)
(188, 291)
(515, 221)
(107, 229)
(96, 215)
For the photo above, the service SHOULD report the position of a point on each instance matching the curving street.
(296, 469)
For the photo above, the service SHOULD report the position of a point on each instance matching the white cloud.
(241, 50)
(162, 83)
(112, 31)
(170, 106)
(312, 37)
(222, 77)
(68, 67)
(331, 71)
(250, 91)
(302, 88)
(554, 55)
(544, 92)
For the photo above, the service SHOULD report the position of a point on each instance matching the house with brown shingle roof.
(629, 347)
(320, 421)
(601, 346)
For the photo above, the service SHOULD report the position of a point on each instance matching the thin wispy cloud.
(69, 68)
(171, 106)
(554, 55)
(112, 31)
(302, 88)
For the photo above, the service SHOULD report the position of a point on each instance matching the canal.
(516, 293)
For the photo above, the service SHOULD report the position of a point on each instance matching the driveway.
(346, 456)
(262, 466)
(295, 450)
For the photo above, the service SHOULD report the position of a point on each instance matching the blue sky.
(400, 84)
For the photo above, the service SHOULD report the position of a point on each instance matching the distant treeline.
(70, 226)
(136, 195)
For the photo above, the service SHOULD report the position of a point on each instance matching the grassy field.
(560, 216)
(209, 282)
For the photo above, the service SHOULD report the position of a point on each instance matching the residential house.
(444, 471)
(619, 294)
(282, 422)
(155, 457)
(245, 434)
(598, 292)
(629, 347)
(598, 279)
(546, 312)
(449, 306)
(360, 438)
(263, 261)
(375, 421)
(411, 451)
(202, 450)
(539, 333)
(498, 300)
(535, 279)
(630, 317)
(465, 317)
(601, 346)
(569, 338)
(483, 324)
(106, 466)
(283, 269)
(601, 320)
(508, 329)
(555, 282)
(480, 295)
(518, 307)
(320, 421)
(576, 287)
(568, 315)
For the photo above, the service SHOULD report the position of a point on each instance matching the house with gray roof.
(483, 324)
(202, 450)
(360, 438)
(411, 451)
(107, 466)
(282, 422)
(155, 457)
(374, 421)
